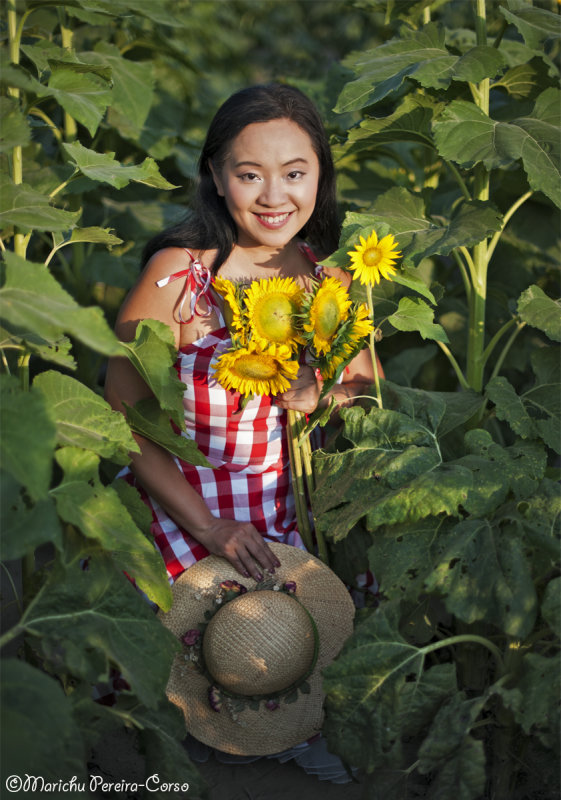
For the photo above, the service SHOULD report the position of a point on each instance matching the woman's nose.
(272, 194)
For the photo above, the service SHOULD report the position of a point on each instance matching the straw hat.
(248, 678)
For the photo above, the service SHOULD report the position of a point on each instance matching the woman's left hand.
(303, 394)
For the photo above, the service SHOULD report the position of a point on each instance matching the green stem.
(491, 346)
(465, 638)
(37, 112)
(17, 154)
(298, 487)
(13, 585)
(469, 261)
(461, 377)
(372, 347)
(456, 173)
(302, 443)
(70, 126)
(505, 350)
(464, 274)
(13, 633)
(476, 337)
(514, 207)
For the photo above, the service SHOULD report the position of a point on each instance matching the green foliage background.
(444, 120)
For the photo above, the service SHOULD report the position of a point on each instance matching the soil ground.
(116, 759)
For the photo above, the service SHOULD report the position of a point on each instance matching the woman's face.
(269, 182)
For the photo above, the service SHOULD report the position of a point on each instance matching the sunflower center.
(372, 256)
(328, 315)
(255, 366)
(273, 317)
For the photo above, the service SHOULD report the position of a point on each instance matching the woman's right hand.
(239, 543)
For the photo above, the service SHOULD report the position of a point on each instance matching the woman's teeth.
(274, 220)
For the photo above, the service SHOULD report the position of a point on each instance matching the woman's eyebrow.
(296, 160)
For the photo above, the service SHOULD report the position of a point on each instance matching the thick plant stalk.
(303, 482)
(372, 348)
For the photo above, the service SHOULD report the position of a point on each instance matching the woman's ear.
(216, 179)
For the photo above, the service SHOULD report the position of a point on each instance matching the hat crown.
(259, 643)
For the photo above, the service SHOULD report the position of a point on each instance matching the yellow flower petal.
(271, 305)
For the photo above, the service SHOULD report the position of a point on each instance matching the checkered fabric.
(247, 447)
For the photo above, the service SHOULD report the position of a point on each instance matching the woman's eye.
(250, 177)
(295, 174)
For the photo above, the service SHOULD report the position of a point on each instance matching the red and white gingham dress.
(248, 448)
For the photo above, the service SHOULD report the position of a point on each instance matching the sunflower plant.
(371, 260)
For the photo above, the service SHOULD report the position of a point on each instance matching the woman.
(266, 193)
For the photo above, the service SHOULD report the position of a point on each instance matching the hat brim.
(260, 732)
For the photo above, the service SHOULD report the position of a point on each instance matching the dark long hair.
(210, 225)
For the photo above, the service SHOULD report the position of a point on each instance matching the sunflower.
(329, 307)
(252, 369)
(233, 303)
(372, 258)
(271, 304)
(347, 343)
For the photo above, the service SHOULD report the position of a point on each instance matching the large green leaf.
(410, 122)
(39, 736)
(368, 696)
(551, 605)
(28, 437)
(392, 474)
(84, 96)
(413, 314)
(523, 80)
(462, 775)
(499, 470)
(32, 301)
(535, 699)
(84, 419)
(402, 556)
(483, 574)
(536, 413)
(30, 210)
(418, 54)
(103, 167)
(536, 25)
(88, 617)
(55, 351)
(15, 130)
(466, 135)
(153, 353)
(149, 420)
(98, 512)
(23, 526)
(133, 84)
(541, 311)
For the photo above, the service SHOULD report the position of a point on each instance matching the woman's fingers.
(242, 545)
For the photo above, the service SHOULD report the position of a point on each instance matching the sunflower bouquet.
(275, 327)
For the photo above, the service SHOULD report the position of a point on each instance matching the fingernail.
(271, 571)
(259, 577)
(277, 564)
(246, 574)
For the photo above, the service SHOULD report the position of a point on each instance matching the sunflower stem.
(298, 486)
(372, 348)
